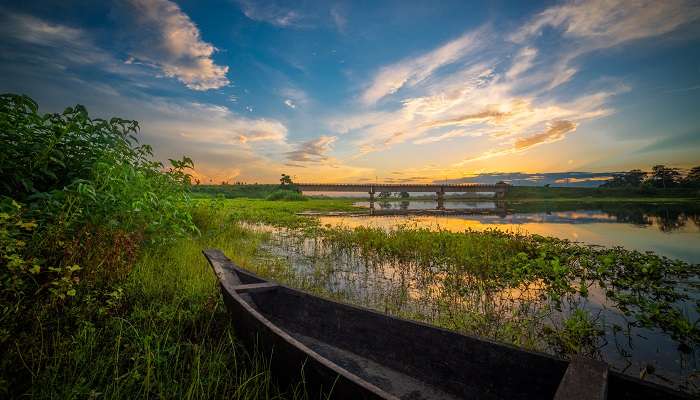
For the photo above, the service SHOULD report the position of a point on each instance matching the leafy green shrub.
(47, 152)
(78, 199)
(92, 190)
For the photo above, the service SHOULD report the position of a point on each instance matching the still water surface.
(672, 230)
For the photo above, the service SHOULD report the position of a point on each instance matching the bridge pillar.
(441, 199)
(501, 189)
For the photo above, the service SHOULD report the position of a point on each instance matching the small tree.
(384, 195)
(404, 195)
(662, 176)
(693, 178)
(286, 180)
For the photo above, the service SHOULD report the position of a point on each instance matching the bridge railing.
(467, 185)
(402, 187)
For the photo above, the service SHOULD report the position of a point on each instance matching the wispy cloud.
(522, 62)
(412, 71)
(208, 123)
(314, 151)
(600, 24)
(555, 131)
(673, 143)
(294, 97)
(339, 18)
(505, 94)
(62, 44)
(271, 13)
(166, 37)
(475, 101)
(608, 23)
(539, 178)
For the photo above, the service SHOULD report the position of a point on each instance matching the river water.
(671, 230)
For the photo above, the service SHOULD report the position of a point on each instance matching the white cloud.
(166, 37)
(346, 123)
(289, 103)
(207, 123)
(34, 30)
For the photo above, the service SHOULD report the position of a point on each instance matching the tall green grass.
(161, 333)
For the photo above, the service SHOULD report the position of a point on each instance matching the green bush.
(286, 195)
(87, 183)
(79, 197)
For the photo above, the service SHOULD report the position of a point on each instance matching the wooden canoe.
(341, 351)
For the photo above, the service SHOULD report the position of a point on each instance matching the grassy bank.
(278, 213)
(252, 191)
(162, 332)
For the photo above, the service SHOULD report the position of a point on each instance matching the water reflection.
(672, 230)
(666, 217)
(431, 205)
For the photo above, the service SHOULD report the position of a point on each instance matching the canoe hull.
(291, 365)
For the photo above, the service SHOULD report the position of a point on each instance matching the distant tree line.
(660, 176)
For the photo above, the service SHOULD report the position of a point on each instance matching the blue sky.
(351, 91)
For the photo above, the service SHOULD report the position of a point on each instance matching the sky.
(397, 91)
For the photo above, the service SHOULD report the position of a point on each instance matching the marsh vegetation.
(638, 311)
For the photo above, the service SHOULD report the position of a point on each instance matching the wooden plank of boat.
(585, 379)
(348, 352)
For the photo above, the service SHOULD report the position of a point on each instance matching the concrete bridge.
(500, 189)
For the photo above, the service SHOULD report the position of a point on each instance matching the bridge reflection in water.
(382, 208)
(499, 189)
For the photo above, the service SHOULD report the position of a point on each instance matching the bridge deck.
(395, 187)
